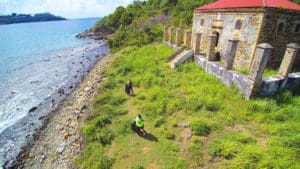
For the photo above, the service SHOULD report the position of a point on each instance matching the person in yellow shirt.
(139, 124)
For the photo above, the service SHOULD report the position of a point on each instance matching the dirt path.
(60, 141)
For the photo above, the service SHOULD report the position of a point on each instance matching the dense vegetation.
(21, 18)
(228, 131)
(140, 22)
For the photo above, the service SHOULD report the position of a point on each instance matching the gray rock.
(183, 124)
(72, 140)
(61, 147)
(189, 135)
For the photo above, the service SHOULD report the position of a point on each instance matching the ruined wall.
(224, 23)
(272, 34)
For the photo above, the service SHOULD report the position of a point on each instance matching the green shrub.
(173, 122)
(243, 138)
(104, 136)
(193, 103)
(230, 145)
(196, 155)
(159, 121)
(200, 127)
(173, 105)
(117, 100)
(177, 163)
(249, 157)
(119, 112)
(169, 135)
(279, 157)
(212, 105)
(270, 72)
(89, 132)
(215, 126)
(196, 150)
(109, 84)
(137, 166)
(103, 98)
(262, 106)
(224, 148)
(94, 158)
(101, 121)
(124, 126)
(141, 96)
(154, 108)
(293, 142)
(196, 140)
(284, 97)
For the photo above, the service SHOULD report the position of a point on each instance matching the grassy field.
(192, 120)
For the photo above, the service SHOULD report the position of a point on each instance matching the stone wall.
(269, 86)
(228, 77)
(223, 23)
(273, 84)
(278, 39)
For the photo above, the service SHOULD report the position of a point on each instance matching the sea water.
(34, 63)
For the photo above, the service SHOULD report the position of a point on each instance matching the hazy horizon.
(70, 9)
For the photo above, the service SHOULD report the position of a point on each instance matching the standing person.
(127, 89)
(130, 86)
(139, 125)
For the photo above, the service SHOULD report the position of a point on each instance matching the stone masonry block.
(288, 59)
(260, 60)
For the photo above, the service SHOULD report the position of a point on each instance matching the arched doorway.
(217, 34)
(217, 39)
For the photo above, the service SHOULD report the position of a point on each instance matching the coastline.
(59, 141)
(42, 114)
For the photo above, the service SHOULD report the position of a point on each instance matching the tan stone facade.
(250, 27)
(271, 33)
(249, 39)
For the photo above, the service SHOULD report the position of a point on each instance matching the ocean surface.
(36, 61)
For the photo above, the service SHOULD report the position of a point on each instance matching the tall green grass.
(260, 133)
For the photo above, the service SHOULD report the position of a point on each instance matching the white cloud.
(66, 8)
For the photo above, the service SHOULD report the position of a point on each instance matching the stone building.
(250, 23)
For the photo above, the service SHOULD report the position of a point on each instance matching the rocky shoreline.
(68, 105)
(59, 141)
(90, 34)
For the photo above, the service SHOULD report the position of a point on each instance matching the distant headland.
(21, 18)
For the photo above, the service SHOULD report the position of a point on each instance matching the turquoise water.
(21, 47)
(40, 63)
(22, 44)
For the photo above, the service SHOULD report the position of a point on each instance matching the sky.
(66, 8)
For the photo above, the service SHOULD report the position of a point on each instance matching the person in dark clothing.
(130, 87)
(127, 89)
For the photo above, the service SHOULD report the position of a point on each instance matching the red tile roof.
(226, 4)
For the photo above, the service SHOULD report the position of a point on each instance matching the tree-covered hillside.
(140, 23)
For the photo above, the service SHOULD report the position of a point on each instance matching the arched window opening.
(297, 28)
(280, 27)
(202, 22)
(238, 24)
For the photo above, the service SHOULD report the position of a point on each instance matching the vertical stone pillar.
(230, 53)
(171, 35)
(288, 59)
(166, 34)
(187, 39)
(197, 42)
(260, 60)
(211, 49)
(178, 37)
